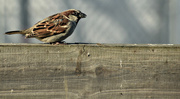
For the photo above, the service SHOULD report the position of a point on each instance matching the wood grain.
(89, 71)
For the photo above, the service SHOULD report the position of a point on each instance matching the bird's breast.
(70, 30)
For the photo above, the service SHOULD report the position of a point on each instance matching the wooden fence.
(89, 71)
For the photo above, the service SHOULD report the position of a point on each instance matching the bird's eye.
(74, 13)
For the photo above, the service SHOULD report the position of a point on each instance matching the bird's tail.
(14, 32)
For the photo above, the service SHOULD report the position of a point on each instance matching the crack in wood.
(79, 59)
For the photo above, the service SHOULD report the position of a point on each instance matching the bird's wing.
(50, 26)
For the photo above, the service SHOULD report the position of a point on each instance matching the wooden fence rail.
(89, 71)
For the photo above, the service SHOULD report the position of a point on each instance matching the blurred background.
(108, 21)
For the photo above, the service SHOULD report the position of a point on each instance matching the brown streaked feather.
(53, 25)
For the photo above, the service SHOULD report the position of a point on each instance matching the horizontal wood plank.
(89, 71)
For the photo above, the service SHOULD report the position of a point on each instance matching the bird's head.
(74, 15)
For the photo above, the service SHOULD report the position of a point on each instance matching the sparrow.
(55, 28)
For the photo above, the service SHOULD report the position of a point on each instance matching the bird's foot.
(59, 43)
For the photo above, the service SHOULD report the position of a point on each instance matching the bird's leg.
(59, 43)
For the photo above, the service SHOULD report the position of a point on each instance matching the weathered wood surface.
(89, 71)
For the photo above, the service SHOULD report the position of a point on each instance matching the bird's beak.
(82, 15)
